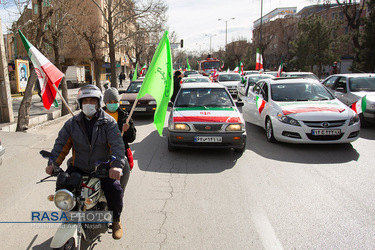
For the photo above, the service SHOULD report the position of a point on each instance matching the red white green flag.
(360, 105)
(280, 70)
(236, 70)
(143, 69)
(260, 104)
(241, 68)
(47, 73)
(259, 61)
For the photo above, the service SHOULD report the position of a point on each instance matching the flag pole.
(63, 100)
(130, 114)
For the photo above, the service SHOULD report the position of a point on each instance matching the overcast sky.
(191, 20)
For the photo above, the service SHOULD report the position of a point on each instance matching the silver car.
(349, 88)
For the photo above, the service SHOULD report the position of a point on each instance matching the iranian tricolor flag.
(280, 70)
(143, 69)
(260, 104)
(236, 69)
(47, 73)
(259, 61)
(241, 68)
(360, 105)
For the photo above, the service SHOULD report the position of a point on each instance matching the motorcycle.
(75, 195)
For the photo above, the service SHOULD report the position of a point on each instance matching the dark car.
(145, 106)
(350, 88)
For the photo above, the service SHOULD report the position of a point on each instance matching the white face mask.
(89, 109)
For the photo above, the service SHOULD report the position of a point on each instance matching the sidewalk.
(39, 115)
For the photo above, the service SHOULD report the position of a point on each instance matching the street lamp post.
(226, 30)
(210, 36)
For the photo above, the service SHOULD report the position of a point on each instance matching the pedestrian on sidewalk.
(37, 87)
(121, 77)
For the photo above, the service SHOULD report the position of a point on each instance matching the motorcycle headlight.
(234, 127)
(64, 200)
(288, 120)
(354, 119)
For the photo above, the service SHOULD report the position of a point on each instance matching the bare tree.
(56, 29)
(24, 110)
(118, 14)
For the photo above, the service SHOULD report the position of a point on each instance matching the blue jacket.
(106, 140)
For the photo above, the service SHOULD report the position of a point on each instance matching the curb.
(37, 120)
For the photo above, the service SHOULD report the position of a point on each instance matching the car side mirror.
(170, 104)
(239, 104)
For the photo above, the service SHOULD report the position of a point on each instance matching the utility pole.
(6, 106)
(210, 36)
(226, 30)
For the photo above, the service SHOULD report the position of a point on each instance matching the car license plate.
(208, 139)
(326, 132)
(139, 109)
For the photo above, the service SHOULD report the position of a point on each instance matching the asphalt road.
(273, 196)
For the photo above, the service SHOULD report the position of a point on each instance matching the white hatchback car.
(230, 81)
(299, 111)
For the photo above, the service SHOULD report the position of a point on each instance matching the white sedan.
(299, 111)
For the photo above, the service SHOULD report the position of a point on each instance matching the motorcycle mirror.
(45, 154)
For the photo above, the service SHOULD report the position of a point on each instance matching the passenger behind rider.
(112, 102)
(92, 135)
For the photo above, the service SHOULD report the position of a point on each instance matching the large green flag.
(158, 81)
(135, 76)
(188, 65)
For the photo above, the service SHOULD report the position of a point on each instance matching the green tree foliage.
(367, 53)
(314, 43)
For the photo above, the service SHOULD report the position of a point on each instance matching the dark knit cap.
(111, 94)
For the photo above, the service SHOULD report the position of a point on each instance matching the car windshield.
(308, 76)
(197, 80)
(203, 97)
(357, 84)
(134, 87)
(253, 79)
(292, 92)
(229, 77)
(186, 73)
(211, 65)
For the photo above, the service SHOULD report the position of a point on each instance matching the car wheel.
(269, 131)
(170, 147)
(241, 149)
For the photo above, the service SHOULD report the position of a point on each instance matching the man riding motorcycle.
(93, 134)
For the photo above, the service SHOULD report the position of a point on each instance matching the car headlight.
(124, 102)
(288, 120)
(179, 126)
(234, 127)
(152, 102)
(64, 200)
(354, 119)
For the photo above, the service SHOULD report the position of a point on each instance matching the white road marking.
(265, 229)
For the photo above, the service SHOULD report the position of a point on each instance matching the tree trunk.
(97, 72)
(112, 52)
(24, 110)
